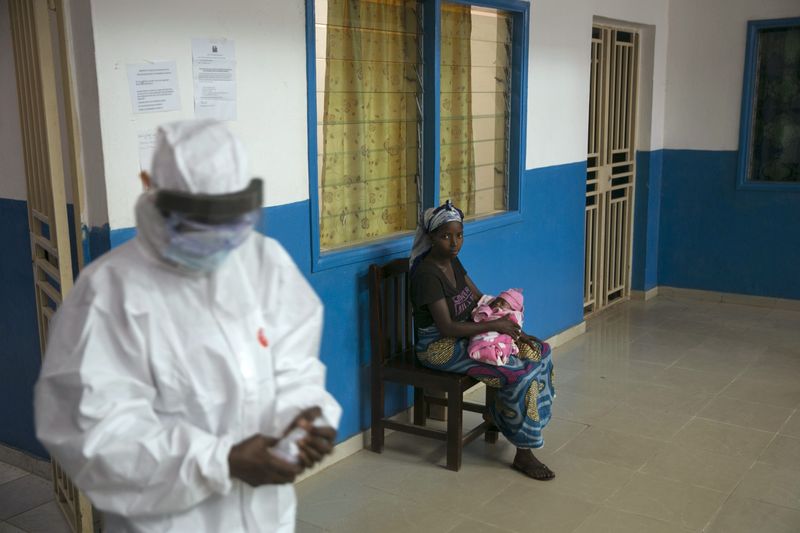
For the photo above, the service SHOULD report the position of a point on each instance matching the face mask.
(203, 247)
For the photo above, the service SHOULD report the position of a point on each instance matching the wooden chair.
(394, 360)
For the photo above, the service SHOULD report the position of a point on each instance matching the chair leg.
(491, 435)
(377, 415)
(455, 443)
(419, 406)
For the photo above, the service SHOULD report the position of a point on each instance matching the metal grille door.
(47, 207)
(611, 166)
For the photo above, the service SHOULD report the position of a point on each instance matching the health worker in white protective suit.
(181, 357)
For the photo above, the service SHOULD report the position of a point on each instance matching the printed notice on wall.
(147, 146)
(154, 87)
(214, 74)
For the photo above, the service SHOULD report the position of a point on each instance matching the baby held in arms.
(492, 347)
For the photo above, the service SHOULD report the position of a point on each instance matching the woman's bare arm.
(529, 339)
(523, 337)
(474, 288)
(450, 328)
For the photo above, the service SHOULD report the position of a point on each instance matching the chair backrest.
(391, 323)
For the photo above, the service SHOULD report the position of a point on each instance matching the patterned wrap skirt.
(524, 386)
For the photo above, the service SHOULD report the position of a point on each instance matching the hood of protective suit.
(203, 158)
(198, 156)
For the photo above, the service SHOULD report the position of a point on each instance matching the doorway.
(611, 166)
(49, 139)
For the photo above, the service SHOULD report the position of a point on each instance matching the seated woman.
(443, 297)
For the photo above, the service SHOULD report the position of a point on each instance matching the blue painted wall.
(693, 229)
(716, 237)
(19, 335)
(542, 254)
(647, 215)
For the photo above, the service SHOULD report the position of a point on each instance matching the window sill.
(402, 244)
(773, 186)
(490, 222)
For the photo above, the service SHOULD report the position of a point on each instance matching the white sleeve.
(93, 408)
(299, 374)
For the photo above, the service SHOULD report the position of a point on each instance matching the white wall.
(558, 75)
(12, 166)
(84, 75)
(705, 68)
(270, 50)
(12, 169)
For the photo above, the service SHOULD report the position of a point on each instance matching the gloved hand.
(319, 439)
(252, 462)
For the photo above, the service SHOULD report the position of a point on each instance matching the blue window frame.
(431, 13)
(769, 138)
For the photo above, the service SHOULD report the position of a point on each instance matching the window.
(770, 133)
(474, 107)
(368, 118)
(411, 103)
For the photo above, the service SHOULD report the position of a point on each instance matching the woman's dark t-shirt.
(429, 284)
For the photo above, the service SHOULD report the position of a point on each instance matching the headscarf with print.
(432, 218)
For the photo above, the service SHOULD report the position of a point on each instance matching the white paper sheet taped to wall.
(154, 87)
(214, 76)
(147, 146)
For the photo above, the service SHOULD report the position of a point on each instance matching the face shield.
(200, 207)
(201, 230)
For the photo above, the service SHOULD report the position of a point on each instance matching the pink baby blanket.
(492, 347)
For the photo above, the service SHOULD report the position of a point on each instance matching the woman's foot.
(528, 464)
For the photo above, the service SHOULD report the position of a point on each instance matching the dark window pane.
(775, 148)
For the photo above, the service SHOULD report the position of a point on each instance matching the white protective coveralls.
(152, 373)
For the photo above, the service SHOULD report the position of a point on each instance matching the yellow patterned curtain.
(457, 160)
(368, 51)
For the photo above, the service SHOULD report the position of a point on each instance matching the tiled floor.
(671, 416)
(26, 503)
